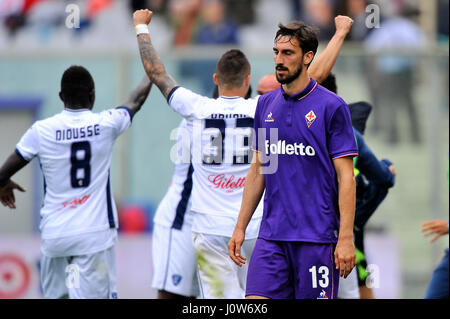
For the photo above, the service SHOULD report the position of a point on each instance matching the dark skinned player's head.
(77, 88)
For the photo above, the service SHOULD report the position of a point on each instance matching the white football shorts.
(219, 276)
(348, 287)
(80, 277)
(174, 266)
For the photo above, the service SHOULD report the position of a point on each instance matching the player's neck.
(298, 84)
(77, 108)
(232, 92)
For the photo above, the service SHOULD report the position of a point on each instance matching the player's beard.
(289, 77)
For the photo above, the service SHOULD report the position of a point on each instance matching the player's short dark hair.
(232, 68)
(305, 34)
(76, 86)
(330, 83)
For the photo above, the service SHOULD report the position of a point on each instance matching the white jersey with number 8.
(74, 148)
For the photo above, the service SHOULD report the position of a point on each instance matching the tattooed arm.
(150, 59)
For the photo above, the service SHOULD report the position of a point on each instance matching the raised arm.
(13, 164)
(138, 96)
(322, 65)
(150, 59)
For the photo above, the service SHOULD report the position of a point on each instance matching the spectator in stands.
(356, 9)
(184, 14)
(320, 14)
(216, 28)
(392, 73)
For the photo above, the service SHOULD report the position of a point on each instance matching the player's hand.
(438, 227)
(234, 247)
(142, 16)
(7, 197)
(345, 256)
(343, 24)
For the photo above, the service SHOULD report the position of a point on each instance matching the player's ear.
(308, 57)
(92, 97)
(247, 79)
(216, 81)
(61, 96)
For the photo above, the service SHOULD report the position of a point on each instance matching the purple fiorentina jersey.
(299, 137)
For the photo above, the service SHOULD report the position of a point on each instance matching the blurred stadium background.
(400, 67)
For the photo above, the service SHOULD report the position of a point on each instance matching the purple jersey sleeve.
(256, 126)
(341, 141)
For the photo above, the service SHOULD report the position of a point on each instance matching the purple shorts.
(288, 270)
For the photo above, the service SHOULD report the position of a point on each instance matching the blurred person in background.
(216, 28)
(356, 9)
(203, 22)
(78, 217)
(184, 14)
(391, 79)
(443, 20)
(267, 83)
(438, 285)
(159, 6)
(242, 12)
(15, 13)
(319, 13)
(373, 180)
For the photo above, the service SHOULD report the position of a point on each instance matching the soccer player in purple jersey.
(304, 145)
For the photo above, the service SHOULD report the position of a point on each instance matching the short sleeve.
(341, 140)
(28, 146)
(187, 103)
(119, 119)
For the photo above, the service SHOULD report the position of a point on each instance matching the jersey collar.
(230, 97)
(309, 88)
(71, 111)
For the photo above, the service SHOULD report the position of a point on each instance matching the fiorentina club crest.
(310, 118)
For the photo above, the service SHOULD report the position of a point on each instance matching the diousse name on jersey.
(76, 133)
(283, 148)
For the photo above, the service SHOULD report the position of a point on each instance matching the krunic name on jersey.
(76, 133)
(227, 116)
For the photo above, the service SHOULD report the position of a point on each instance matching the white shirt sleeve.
(188, 104)
(28, 146)
(119, 119)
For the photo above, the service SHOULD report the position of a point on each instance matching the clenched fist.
(142, 17)
(343, 24)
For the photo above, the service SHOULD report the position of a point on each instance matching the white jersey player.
(173, 254)
(219, 132)
(78, 217)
